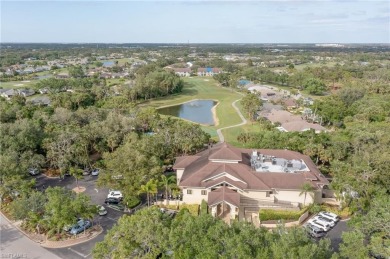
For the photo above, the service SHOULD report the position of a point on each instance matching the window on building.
(204, 192)
(267, 194)
(189, 191)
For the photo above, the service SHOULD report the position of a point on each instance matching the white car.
(325, 220)
(33, 171)
(101, 210)
(115, 194)
(329, 215)
(95, 172)
(319, 224)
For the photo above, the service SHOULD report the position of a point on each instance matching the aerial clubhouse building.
(234, 181)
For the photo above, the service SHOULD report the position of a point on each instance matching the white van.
(314, 231)
(329, 215)
(325, 220)
(319, 224)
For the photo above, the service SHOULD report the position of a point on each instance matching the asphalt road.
(335, 234)
(13, 244)
(98, 195)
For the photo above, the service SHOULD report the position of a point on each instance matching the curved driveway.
(244, 121)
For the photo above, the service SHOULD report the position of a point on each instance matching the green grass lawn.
(18, 84)
(232, 133)
(204, 88)
(317, 64)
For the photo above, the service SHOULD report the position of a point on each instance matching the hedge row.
(269, 214)
(192, 208)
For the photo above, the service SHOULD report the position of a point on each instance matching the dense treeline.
(62, 139)
(153, 234)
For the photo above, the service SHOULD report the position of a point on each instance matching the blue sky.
(288, 21)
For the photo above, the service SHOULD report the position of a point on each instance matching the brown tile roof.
(288, 181)
(200, 171)
(184, 161)
(225, 179)
(224, 194)
(182, 69)
(226, 152)
(301, 126)
(281, 116)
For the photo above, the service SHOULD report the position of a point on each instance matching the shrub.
(343, 213)
(269, 214)
(192, 208)
(132, 202)
(203, 207)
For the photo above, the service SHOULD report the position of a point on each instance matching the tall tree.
(251, 104)
(305, 189)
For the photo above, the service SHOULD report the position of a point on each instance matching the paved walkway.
(244, 121)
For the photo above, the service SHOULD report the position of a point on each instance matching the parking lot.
(334, 234)
(98, 195)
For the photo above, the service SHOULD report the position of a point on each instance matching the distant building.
(208, 71)
(182, 71)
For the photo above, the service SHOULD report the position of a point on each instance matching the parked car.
(319, 224)
(112, 201)
(101, 210)
(325, 220)
(314, 231)
(80, 226)
(329, 215)
(67, 228)
(33, 171)
(115, 194)
(95, 172)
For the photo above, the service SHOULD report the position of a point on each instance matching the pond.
(198, 111)
(108, 63)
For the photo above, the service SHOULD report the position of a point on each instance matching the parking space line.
(80, 254)
(111, 218)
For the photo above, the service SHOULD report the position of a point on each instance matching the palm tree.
(176, 191)
(306, 187)
(148, 188)
(166, 181)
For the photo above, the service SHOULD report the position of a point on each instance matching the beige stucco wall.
(293, 196)
(196, 197)
(257, 195)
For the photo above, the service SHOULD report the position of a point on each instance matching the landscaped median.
(77, 239)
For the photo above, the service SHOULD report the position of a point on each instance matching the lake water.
(108, 63)
(198, 111)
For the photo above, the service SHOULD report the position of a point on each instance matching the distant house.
(289, 122)
(290, 103)
(40, 100)
(9, 93)
(208, 71)
(182, 71)
(300, 126)
(105, 75)
(62, 75)
(26, 92)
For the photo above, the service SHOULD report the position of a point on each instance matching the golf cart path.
(244, 121)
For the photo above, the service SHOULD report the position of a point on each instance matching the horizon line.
(189, 43)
